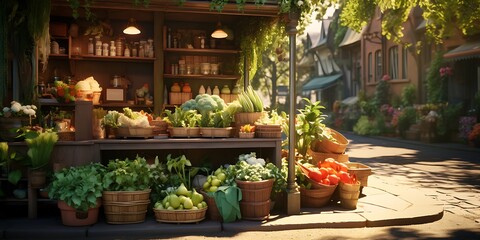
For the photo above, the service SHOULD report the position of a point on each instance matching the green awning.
(319, 83)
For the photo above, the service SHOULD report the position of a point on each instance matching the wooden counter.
(199, 150)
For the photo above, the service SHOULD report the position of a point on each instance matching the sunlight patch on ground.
(371, 151)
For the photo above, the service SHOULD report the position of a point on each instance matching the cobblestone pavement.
(446, 172)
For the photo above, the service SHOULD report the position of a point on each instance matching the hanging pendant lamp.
(219, 33)
(131, 28)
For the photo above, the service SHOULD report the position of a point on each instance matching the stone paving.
(441, 179)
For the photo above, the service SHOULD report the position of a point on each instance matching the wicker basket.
(126, 196)
(268, 131)
(316, 198)
(328, 146)
(320, 156)
(246, 134)
(349, 194)
(180, 216)
(66, 136)
(125, 218)
(124, 207)
(184, 132)
(136, 132)
(133, 206)
(216, 132)
(361, 171)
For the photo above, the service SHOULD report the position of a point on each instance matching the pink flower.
(386, 77)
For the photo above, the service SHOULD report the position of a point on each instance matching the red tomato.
(333, 179)
(324, 171)
(332, 171)
(315, 175)
(344, 177)
(343, 167)
(326, 181)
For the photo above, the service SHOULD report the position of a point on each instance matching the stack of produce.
(318, 182)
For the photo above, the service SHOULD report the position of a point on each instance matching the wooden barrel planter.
(255, 203)
(243, 118)
(349, 194)
(212, 213)
(73, 217)
(124, 207)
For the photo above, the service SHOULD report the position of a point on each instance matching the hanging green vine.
(256, 35)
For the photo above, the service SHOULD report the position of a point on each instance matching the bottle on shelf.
(113, 51)
(186, 88)
(105, 50)
(209, 90)
(225, 89)
(201, 90)
(91, 48)
(216, 91)
(98, 46)
(236, 89)
(127, 52)
(175, 87)
(169, 38)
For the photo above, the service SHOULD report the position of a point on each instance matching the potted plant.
(252, 107)
(183, 123)
(309, 126)
(127, 189)
(256, 179)
(40, 147)
(78, 203)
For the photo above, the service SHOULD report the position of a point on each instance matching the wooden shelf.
(112, 59)
(58, 56)
(203, 77)
(202, 51)
(124, 105)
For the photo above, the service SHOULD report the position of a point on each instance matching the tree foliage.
(443, 17)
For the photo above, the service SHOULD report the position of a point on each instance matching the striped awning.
(465, 51)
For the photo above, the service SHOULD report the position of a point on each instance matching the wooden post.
(293, 195)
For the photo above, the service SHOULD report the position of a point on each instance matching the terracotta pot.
(72, 217)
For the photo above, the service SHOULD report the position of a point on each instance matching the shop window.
(378, 65)
(393, 62)
(369, 68)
